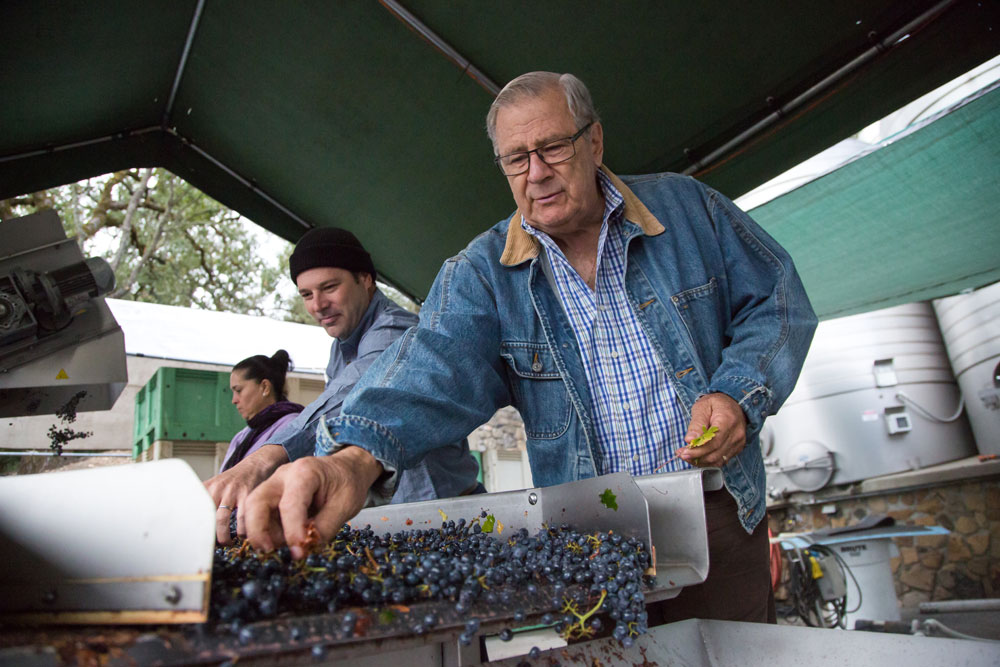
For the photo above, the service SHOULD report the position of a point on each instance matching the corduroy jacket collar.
(522, 246)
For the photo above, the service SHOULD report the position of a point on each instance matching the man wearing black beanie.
(330, 253)
(335, 277)
(329, 246)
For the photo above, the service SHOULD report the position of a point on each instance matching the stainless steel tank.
(970, 324)
(876, 396)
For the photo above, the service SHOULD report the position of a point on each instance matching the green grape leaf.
(609, 500)
(386, 616)
(488, 524)
(706, 435)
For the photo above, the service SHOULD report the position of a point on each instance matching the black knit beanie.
(329, 247)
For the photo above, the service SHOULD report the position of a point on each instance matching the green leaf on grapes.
(488, 523)
(609, 500)
(386, 616)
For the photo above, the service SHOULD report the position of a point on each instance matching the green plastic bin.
(184, 404)
(479, 460)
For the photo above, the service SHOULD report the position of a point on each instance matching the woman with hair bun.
(258, 385)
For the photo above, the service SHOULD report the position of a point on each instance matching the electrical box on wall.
(898, 422)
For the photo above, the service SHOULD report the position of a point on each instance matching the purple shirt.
(261, 439)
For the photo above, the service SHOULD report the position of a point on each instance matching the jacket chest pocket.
(701, 310)
(538, 390)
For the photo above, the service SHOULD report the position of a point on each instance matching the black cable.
(838, 617)
(847, 569)
(805, 594)
(802, 588)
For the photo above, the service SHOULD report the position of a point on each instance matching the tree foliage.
(170, 243)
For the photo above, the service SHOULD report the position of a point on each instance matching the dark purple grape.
(457, 562)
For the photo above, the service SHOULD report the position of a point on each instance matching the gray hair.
(534, 84)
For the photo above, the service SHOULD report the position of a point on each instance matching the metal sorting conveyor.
(666, 511)
(700, 643)
(134, 544)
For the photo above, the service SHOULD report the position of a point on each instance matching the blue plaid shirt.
(639, 422)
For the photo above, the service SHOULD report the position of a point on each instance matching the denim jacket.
(718, 298)
(447, 471)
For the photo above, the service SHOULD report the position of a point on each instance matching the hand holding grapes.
(230, 488)
(326, 490)
(721, 411)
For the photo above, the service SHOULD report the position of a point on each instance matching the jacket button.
(537, 366)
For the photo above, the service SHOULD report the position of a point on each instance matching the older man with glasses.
(621, 316)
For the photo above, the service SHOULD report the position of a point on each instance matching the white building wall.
(112, 429)
(157, 336)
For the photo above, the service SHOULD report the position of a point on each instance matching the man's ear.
(596, 143)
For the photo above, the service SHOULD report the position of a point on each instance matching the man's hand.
(327, 489)
(229, 489)
(715, 410)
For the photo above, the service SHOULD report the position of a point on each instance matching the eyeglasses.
(551, 153)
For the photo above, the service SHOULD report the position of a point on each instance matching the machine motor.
(35, 304)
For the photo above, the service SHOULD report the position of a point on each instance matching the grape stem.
(583, 631)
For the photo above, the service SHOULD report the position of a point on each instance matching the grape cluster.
(59, 437)
(578, 575)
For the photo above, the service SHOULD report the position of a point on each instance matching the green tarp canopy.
(916, 220)
(369, 115)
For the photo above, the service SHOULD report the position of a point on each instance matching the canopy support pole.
(79, 144)
(880, 47)
(195, 20)
(250, 185)
(444, 47)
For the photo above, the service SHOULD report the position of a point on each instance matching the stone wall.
(504, 430)
(965, 564)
